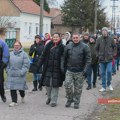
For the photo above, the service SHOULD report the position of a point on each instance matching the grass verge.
(108, 111)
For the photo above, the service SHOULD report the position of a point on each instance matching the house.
(24, 19)
(58, 25)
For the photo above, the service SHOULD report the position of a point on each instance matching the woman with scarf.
(47, 38)
(16, 73)
(53, 72)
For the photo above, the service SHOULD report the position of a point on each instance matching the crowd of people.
(60, 59)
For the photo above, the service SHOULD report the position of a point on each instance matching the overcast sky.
(108, 4)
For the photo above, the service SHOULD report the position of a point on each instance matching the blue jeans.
(36, 77)
(106, 73)
(94, 68)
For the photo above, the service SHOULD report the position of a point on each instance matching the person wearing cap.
(105, 48)
(35, 52)
(86, 38)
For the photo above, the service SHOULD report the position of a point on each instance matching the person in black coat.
(35, 52)
(53, 72)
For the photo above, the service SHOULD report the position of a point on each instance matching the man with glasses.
(77, 57)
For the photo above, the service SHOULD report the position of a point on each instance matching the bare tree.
(7, 21)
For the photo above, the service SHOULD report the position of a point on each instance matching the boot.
(40, 85)
(48, 101)
(89, 87)
(3, 98)
(68, 103)
(94, 85)
(35, 85)
(76, 106)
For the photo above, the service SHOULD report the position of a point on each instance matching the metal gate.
(10, 38)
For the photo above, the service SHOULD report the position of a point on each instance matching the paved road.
(36, 109)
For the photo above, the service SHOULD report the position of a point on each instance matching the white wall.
(28, 21)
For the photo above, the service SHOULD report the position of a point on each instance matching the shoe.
(4, 99)
(22, 100)
(40, 85)
(94, 85)
(76, 106)
(34, 89)
(102, 90)
(35, 85)
(53, 104)
(40, 89)
(110, 87)
(88, 88)
(13, 104)
(48, 101)
(68, 103)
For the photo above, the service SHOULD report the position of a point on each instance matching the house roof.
(54, 12)
(28, 6)
(57, 20)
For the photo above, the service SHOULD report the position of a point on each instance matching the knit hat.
(105, 28)
(86, 34)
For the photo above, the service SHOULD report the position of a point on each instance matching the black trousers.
(2, 91)
(14, 94)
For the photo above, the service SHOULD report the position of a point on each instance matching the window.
(30, 28)
(37, 30)
(25, 27)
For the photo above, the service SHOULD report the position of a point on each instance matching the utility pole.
(113, 16)
(95, 19)
(41, 16)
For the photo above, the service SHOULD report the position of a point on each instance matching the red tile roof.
(54, 12)
(28, 6)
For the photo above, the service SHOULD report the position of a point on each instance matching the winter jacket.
(4, 54)
(77, 57)
(105, 48)
(35, 53)
(53, 70)
(93, 53)
(16, 70)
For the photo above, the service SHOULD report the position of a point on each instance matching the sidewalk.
(36, 109)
